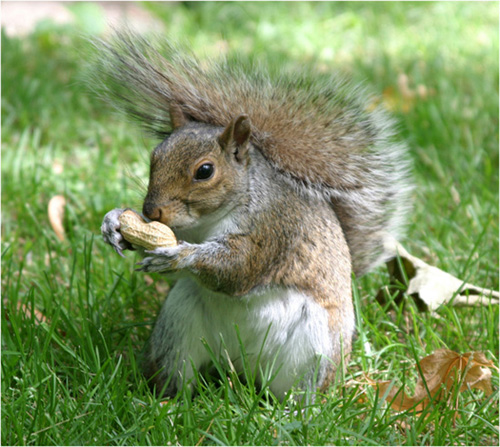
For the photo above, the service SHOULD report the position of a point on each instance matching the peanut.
(148, 235)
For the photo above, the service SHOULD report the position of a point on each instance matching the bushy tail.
(314, 128)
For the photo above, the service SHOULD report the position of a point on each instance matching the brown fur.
(306, 184)
(315, 129)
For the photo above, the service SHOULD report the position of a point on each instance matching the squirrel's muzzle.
(151, 211)
(167, 213)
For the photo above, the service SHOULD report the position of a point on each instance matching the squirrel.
(278, 187)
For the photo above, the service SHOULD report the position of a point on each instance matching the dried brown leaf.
(39, 316)
(439, 373)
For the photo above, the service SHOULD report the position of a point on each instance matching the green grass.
(74, 379)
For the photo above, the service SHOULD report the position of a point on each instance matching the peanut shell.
(149, 235)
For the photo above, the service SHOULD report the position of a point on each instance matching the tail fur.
(315, 129)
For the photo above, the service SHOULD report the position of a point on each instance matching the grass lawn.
(75, 316)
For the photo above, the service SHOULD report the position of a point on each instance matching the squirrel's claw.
(119, 244)
(152, 265)
(164, 259)
(110, 230)
(119, 250)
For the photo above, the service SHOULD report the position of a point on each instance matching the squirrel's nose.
(151, 211)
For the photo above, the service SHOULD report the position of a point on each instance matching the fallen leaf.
(433, 287)
(439, 373)
(39, 316)
(56, 215)
(30, 312)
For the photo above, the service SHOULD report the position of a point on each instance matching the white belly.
(279, 326)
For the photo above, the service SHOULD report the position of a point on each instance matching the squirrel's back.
(315, 129)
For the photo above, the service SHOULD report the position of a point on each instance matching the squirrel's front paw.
(110, 230)
(164, 259)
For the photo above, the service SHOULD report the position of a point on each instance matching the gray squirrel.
(278, 187)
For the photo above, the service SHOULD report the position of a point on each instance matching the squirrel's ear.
(177, 117)
(236, 136)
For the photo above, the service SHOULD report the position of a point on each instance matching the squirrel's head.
(198, 172)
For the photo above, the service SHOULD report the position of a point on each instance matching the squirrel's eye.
(204, 172)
